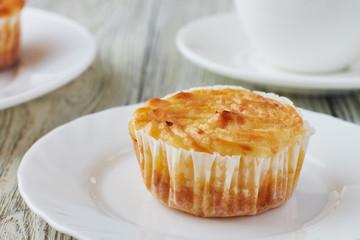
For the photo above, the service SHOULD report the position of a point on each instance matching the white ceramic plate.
(83, 179)
(218, 44)
(54, 51)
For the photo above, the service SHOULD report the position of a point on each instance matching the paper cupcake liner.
(9, 40)
(206, 184)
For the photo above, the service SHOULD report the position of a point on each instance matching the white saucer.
(83, 179)
(218, 44)
(54, 51)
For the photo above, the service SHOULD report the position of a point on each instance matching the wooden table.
(137, 59)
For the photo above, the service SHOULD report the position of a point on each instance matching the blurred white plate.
(83, 179)
(54, 51)
(218, 44)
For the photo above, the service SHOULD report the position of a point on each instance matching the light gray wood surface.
(137, 59)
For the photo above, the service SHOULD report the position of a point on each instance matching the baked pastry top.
(9, 7)
(227, 121)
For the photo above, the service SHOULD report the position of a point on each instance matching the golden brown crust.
(226, 121)
(10, 7)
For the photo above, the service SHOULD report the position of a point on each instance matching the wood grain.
(137, 59)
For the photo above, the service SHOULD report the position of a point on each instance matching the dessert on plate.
(220, 151)
(9, 31)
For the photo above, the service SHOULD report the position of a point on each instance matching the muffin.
(220, 151)
(9, 31)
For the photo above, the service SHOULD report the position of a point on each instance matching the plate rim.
(253, 76)
(57, 81)
(30, 204)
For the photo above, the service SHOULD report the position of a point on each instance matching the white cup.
(312, 36)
